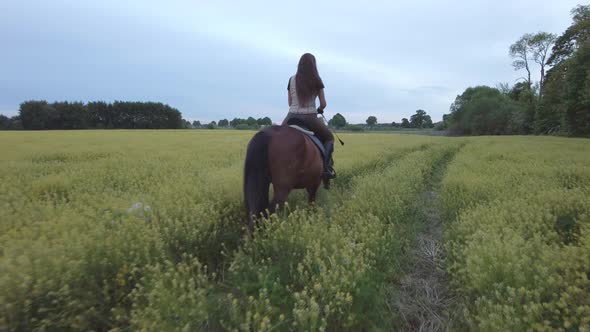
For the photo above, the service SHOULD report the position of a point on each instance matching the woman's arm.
(289, 92)
(322, 99)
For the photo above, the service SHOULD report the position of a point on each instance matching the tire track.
(423, 297)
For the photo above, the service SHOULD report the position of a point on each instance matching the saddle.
(298, 124)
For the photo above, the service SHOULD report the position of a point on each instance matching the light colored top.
(297, 107)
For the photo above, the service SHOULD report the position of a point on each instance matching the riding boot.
(329, 172)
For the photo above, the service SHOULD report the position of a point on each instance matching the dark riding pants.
(314, 124)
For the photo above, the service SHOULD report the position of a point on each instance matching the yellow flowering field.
(143, 230)
(518, 233)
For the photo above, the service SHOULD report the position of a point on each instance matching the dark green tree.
(420, 120)
(565, 106)
(405, 123)
(576, 34)
(446, 121)
(577, 92)
(71, 115)
(337, 121)
(428, 122)
(100, 115)
(371, 121)
(527, 99)
(129, 115)
(519, 91)
(223, 123)
(4, 122)
(16, 123)
(439, 125)
(38, 115)
(235, 122)
(484, 111)
(266, 121)
(251, 122)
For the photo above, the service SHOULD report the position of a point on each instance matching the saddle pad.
(303, 130)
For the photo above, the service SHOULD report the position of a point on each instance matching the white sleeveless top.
(296, 107)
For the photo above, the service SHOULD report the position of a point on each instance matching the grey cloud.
(223, 59)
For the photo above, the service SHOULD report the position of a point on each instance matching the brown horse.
(285, 157)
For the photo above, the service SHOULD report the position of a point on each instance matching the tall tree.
(521, 52)
(565, 106)
(575, 35)
(223, 123)
(420, 119)
(428, 122)
(405, 123)
(337, 121)
(236, 121)
(371, 121)
(266, 121)
(251, 122)
(540, 44)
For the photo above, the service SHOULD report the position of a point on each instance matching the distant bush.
(485, 111)
(13, 123)
(355, 128)
(250, 122)
(244, 126)
(439, 126)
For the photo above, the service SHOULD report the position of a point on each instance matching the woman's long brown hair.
(307, 79)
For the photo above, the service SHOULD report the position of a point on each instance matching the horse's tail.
(257, 176)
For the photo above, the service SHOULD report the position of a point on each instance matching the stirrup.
(330, 173)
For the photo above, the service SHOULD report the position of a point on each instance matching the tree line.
(558, 103)
(41, 115)
(419, 120)
(236, 123)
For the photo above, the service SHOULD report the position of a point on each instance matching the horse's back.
(294, 159)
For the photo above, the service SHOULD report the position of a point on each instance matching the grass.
(144, 230)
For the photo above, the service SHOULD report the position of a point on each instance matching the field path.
(424, 299)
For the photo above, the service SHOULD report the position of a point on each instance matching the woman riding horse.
(286, 157)
(304, 87)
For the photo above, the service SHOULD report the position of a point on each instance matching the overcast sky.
(224, 59)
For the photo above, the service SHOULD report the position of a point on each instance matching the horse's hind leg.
(312, 193)
(279, 198)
